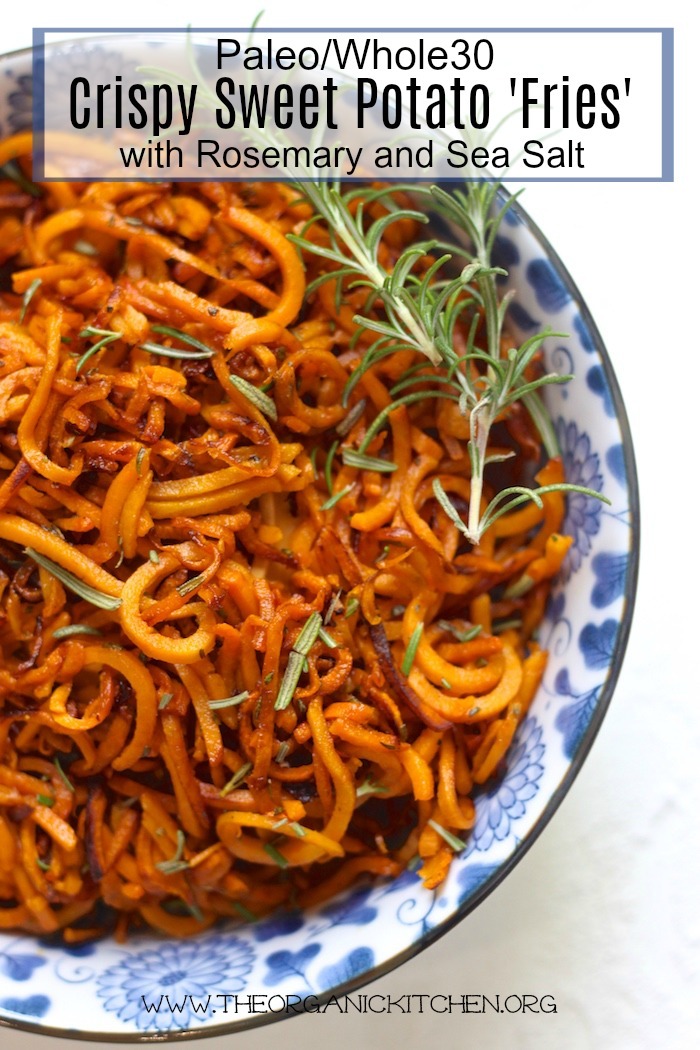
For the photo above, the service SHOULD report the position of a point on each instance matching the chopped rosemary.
(63, 776)
(164, 701)
(244, 912)
(175, 352)
(236, 779)
(295, 664)
(139, 460)
(11, 170)
(42, 864)
(278, 857)
(95, 597)
(351, 607)
(76, 628)
(461, 636)
(332, 500)
(448, 506)
(154, 557)
(332, 606)
(355, 413)
(507, 625)
(445, 684)
(46, 800)
(308, 634)
(256, 397)
(106, 337)
(369, 787)
(229, 701)
(420, 309)
(456, 844)
(411, 649)
(352, 458)
(176, 862)
(328, 466)
(297, 829)
(268, 677)
(84, 248)
(282, 751)
(190, 585)
(28, 296)
(327, 638)
(175, 333)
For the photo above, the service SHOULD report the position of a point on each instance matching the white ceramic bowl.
(95, 990)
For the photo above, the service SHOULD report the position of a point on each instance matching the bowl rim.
(574, 767)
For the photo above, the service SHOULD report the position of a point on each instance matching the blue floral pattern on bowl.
(108, 990)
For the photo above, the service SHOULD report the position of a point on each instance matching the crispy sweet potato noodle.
(191, 746)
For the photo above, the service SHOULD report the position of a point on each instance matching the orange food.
(228, 655)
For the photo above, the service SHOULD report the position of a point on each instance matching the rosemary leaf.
(244, 912)
(28, 296)
(12, 171)
(332, 500)
(229, 701)
(190, 585)
(352, 458)
(448, 506)
(62, 775)
(369, 787)
(456, 844)
(411, 649)
(90, 594)
(176, 333)
(461, 636)
(278, 857)
(237, 778)
(72, 629)
(176, 863)
(256, 397)
(164, 701)
(327, 638)
(292, 674)
(328, 466)
(308, 634)
(176, 352)
(355, 413)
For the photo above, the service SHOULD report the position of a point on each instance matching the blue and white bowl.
(98, 990)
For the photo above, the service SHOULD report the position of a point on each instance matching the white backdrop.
(602, 913)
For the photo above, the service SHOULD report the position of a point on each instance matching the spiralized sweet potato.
(237, 672)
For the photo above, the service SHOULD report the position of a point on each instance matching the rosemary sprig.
(417, 306)
(237, 778)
